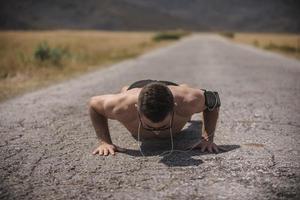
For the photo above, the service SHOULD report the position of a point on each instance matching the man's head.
(156, 102)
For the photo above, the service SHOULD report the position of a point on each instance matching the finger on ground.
(100, 151)
(96, 151)
(105, 152)
(111, 151)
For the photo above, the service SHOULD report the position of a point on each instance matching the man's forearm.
(210, 121)
(101, 126)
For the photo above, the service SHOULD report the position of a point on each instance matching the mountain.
(205, 15)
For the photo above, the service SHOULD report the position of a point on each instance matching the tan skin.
(123, 107)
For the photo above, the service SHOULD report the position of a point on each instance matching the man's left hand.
(211, 147)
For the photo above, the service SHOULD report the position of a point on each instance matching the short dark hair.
(156, 101)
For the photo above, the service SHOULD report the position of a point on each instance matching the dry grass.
(20, 71)
(287, 44)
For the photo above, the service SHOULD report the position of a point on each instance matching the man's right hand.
(106, 149)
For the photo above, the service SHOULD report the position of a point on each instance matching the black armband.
(212, 100)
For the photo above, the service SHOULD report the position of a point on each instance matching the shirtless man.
(155, 107)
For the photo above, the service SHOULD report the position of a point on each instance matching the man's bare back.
(123, 107)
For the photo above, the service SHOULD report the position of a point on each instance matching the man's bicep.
(198, 101)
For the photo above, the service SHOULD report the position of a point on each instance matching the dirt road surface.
(47, 138)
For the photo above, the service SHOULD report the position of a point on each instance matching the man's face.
(147, 124)
(158, 126)
(162, 125)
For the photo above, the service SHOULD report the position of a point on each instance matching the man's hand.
(207, 145)
(106, 149)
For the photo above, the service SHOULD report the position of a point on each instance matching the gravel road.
(47, 138)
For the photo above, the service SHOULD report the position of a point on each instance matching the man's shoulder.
(188, 94)
(190, 99)
(113, 105)
(120, 102)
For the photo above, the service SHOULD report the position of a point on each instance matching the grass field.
(30, 60)
(287, 44)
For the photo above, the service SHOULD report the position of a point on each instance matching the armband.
(212, 100)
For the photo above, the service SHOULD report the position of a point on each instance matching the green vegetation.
(256, 43)
(285, 48)
(169, 35)
(228, 34)
(45, 53)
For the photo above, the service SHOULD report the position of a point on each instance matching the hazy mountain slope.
(246, 15)
(78, 14)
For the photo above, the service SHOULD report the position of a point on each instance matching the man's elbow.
(94, 104)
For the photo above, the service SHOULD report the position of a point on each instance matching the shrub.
(169, 35)
(228, 34)
(284, 48)
(42, 52)
(287, 48)
(256, 43)
(45, 53)
(56, 55)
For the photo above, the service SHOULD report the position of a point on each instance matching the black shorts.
(142, 83)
